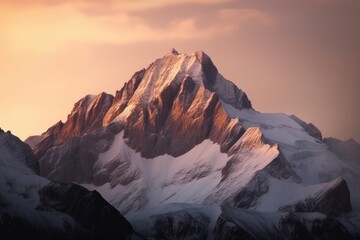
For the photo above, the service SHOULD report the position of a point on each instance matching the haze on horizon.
(297, 57)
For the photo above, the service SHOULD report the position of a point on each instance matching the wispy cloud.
(243, 16)
(47, 27)
(124, 5)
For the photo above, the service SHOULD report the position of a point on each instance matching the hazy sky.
(298, 57)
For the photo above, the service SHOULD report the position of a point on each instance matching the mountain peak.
(173, 69)
(173, 51)
(179, 132)
(182, 86)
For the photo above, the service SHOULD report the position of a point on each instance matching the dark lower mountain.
(33, 207)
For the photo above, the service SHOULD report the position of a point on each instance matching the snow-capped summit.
(165, 76)
(179, 132)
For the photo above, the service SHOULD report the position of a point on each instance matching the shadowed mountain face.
(179, 132)
(32, 207)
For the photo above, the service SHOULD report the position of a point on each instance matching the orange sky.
(297, 57)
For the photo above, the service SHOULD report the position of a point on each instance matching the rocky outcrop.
(86, 116)
(74, 161)
(180, 225)
(310, 128)
(252, 225)
(174, 221)
(178, 120)
(123, 96)
(349, 151)
(247, 172)
(333, 199)
(186, 221)
(167, 108)
(248, 196)
(177, 105)
(179, 132)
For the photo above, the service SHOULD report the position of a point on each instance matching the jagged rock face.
(175, 221)
(33, 207)
(169, 107)
(174, 105)
(179, 132)
(333, 199)
(310, 128)
(123, 96)
(176, 128)
(242, 224)
(75, 159)
(180, 226)
(119, 167)
(85, 117)
(235, 223)
(254, 160)
(259, 185)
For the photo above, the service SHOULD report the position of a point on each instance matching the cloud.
(243, 16)
(123, 5)
(46, 29)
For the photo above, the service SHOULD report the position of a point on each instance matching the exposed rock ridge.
(167, 108)
(333, 200)
(256, 160)
(74, 161)
(310, 128)
(86, 116)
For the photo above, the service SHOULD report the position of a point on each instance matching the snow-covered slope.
(179, 132)
(202, 175)
(33, 207)
(310, 158)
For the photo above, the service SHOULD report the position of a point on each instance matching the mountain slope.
(34, 207)
(179, 132)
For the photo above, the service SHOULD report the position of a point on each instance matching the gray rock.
(32, 207)
(310, 128)
(86, 116)
(74, 161)
(19, 150)
(245, 224)
(333, 200)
